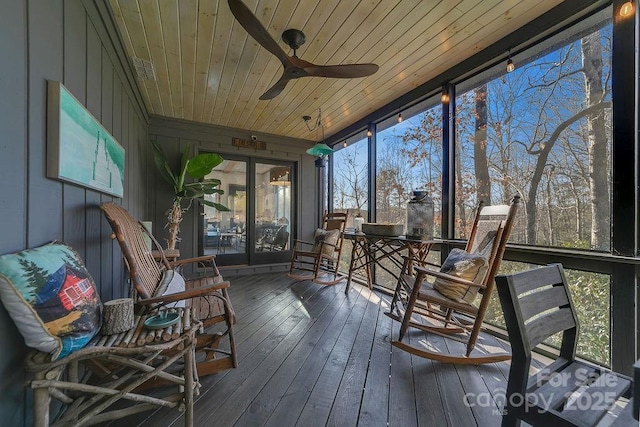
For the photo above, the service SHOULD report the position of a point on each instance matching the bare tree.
(350, 181)
(541, 132)
(393, 181)
(598, 172)
(480, 162)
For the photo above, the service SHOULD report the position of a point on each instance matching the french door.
(257, 227)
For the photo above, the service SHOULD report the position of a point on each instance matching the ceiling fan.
(294, 67)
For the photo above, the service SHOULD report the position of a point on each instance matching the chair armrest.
(206, 262)
(187, 294)
(304, 242)
(449, 277)
(418, 262)
(297, 242)
(334, 245)
(181, 262)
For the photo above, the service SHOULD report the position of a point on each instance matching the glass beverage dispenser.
(420, 216)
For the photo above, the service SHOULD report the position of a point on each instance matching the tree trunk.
(480, 146)
(460, 209)
(550, 224)
(532, 207)
(174, 218)
(597, 134)
(578, 210)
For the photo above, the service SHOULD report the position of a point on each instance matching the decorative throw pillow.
(172, 282)
(51, 297)
(328, 236)
(466, 266)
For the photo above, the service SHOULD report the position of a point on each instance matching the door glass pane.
(225, 232)
(273, 207)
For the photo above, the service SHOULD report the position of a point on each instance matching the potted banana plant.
(189, 185)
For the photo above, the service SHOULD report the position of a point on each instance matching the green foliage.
(590, 293)
(35, 275)
(195, 168)
(576, 244)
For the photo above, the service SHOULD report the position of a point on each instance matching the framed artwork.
(79, 148)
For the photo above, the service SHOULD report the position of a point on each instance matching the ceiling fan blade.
(275, 89)
(345, 71)
(252, 25)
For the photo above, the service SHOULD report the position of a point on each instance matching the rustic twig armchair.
(154, 281)
(95, 366)
(319, 260)
(446, 306)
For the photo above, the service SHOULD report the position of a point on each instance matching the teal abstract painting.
(79, 148)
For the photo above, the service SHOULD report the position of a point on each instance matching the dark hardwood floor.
(312, 356)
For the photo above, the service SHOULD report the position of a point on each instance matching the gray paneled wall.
(65, 40)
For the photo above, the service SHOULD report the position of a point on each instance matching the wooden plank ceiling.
(197, 63)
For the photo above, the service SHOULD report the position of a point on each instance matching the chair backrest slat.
(543, 300)
(527, 281)
(492, 230)
(547, 325)
(536, 305)
(489, 220)
(145, 271)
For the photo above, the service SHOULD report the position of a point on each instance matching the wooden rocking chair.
(445, 307)
(322, 257)
(206, 295)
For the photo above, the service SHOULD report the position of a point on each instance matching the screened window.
(350, 178)
(409, 157)
(544, 132)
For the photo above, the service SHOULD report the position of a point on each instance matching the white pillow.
(172, 283)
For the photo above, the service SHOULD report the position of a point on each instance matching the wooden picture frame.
(79, 149)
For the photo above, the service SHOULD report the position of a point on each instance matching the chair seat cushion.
(327, 236)
(51, 297)
(460, 263)
(172, 282)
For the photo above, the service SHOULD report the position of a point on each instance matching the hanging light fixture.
(344, 144)
(510, 65)
(279, 176)
(369, 133)
(627, 9)
(320, 150)
(399, 117)
(445, 95)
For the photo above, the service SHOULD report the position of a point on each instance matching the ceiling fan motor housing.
(293, 38)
